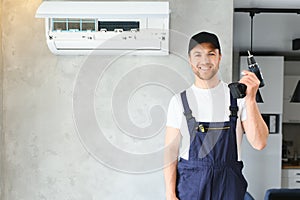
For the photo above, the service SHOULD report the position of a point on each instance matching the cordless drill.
(238, 90)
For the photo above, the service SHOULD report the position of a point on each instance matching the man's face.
(205, 59)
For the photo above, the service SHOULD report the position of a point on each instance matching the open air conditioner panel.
(73, 28)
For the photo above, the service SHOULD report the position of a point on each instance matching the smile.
(204, 68)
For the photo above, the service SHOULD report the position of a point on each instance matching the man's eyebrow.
(210, 51)
(196, 52)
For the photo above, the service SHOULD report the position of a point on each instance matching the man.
(214, 124)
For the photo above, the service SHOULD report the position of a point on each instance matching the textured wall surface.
(52, 154)
(1, 112)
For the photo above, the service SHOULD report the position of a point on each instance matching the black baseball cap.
(204, 37)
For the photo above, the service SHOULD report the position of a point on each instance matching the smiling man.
(214, 123)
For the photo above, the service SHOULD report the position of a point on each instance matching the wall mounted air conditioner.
(106, 28)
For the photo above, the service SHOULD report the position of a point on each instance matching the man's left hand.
(252, 83)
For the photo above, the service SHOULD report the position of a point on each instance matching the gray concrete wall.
(52, 150)
(2, 160)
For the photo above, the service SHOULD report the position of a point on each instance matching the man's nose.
(204, 59)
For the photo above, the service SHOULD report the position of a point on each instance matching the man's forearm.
(256, 129)
(172, 141)
(170, 173)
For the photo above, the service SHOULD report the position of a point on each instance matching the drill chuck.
(254, 67)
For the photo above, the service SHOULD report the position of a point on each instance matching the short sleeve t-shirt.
(207, 105)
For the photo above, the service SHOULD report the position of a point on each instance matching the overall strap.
(233, 119)
(191, 121)
(187, 111)
(233, 107)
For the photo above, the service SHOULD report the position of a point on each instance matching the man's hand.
(173, 197)
(252, 83)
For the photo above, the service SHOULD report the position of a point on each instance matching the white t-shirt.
(207, 105)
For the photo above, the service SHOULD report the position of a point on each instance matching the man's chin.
(205, 78)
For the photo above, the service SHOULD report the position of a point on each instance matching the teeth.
(204, 68)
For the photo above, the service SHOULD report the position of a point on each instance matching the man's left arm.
(255, 127)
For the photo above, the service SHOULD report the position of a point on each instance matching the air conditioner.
(106, 28)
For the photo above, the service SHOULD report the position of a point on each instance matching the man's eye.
(211, 54)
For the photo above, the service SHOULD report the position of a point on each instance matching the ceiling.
(273, 33)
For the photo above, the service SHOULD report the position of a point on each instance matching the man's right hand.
(172, 197)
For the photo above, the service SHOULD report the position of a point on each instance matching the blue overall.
(212, 171)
